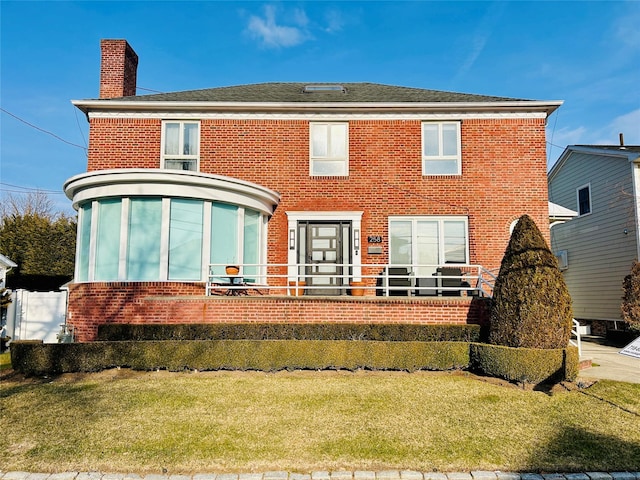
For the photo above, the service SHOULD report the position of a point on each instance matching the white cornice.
(164, 115)
(186, 107)
(169, 183)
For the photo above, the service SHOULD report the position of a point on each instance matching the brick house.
(326, 184)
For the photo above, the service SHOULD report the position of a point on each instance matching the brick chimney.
(118, 69)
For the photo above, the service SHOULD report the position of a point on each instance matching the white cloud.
(273, 35)
(334, 20)
(626, 29)
(481, 36)
(627, 124)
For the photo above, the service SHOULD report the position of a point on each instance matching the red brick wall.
(503, 166)
(168, 303)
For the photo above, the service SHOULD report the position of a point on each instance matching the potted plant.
(232, 269)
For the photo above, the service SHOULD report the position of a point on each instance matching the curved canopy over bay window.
(159, 225)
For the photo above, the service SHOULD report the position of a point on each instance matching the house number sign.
(374, 239)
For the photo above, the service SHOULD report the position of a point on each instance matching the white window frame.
(441, 219)
(582, 187)
(441, 156)
(313, 160)
(164, 157)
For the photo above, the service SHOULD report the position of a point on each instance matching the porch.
(356, 280)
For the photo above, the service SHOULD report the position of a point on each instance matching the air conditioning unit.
(563, 259)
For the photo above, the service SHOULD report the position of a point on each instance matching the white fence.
(35, 315)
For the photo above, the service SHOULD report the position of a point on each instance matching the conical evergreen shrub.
(531, 303)
(631, 298)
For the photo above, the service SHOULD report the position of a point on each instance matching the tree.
(40, 241)
(631, 298)
(531, 304)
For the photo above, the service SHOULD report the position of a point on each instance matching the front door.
(325, 248)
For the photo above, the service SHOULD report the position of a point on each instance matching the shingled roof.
(329, 92)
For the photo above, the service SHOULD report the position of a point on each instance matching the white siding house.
(598, 246)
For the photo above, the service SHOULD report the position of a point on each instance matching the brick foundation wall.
(94, 304)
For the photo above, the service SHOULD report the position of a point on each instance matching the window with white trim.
(441, 148)
(329, 149)
(428, 241)
(180, 145)
(584, 199)
(164, 238)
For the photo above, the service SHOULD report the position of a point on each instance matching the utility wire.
(29, 189)
(43, 130)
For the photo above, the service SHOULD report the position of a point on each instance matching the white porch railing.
(373, 279)
(575, 331)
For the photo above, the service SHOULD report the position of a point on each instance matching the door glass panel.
(326, 232)
(317, 256)
(320, 243)
(331, 256)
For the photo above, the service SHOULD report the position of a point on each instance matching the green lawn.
(121, 421)
(5, 361)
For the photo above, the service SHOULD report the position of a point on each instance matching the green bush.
(263, 355)
(526, 365)
(531, 303)
(630, 308)
(290, 331)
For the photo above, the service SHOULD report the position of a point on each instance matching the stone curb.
(322, 475)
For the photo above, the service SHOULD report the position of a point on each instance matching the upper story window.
(584, 199)
(180, 145)
(441, 148)
(329, 149)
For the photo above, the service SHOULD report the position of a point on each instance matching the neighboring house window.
(329, 149)
(441, 148)
(584, 200)
(180, 145)
(428, 241)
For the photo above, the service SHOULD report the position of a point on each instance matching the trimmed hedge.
(263, 355)
(526, 365)
(290, 331)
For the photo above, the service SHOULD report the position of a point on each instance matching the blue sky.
(585, 53)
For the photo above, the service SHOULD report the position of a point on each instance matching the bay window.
(160, 238)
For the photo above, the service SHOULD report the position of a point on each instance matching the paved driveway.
(608, 363)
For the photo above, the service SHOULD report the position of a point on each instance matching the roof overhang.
(527, 106)
(631, 156)
(136, 182)
(6, 263)
(558, 213)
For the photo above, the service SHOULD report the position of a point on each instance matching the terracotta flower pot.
(297, 292)
(232, 269)
(357, 289)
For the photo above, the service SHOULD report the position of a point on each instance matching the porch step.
(584, 363)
